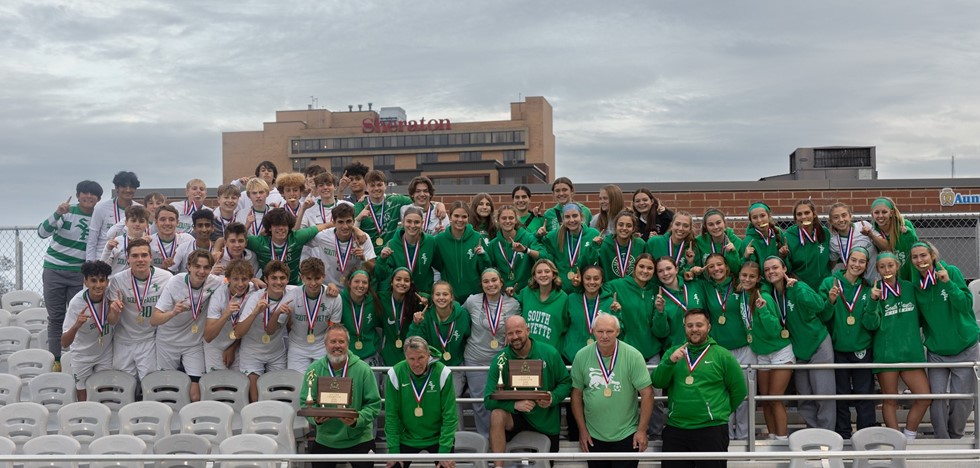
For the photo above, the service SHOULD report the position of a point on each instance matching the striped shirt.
(69, 234)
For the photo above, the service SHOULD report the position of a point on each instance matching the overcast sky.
(658, 91)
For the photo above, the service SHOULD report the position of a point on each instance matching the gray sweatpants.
(738, 422)
(820, 414)
(59, 287)
(476, 381)
(659, 417)
(949, 416)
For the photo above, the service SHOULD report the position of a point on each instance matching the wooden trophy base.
(327, 412)
(514, 395)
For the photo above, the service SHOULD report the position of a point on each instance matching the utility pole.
(952, 166)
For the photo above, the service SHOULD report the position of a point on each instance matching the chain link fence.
(956, 235)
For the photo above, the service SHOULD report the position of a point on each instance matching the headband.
(890, 255)
(862, 250)
(758, 205)
(571, 206)
(485, 270)
(712, 211)
(771, 257)
(883, 201)
(921, 244)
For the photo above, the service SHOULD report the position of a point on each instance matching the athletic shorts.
(191, 357)
(138, 358)
(82, 368)
(782, 356)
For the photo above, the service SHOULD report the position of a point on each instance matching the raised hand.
(876, 291)
(678, 353)
(615, 306)
(833, 294)
(659, 303)
(64, 207)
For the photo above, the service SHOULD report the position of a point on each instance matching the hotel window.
(424, 158)
(300, 164)
(513, 157)
(384, 163)
(463, 180)
(469, 156)
(338, 163)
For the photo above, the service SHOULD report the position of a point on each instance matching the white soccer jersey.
(184, 329)
(216, 308)
(116, 258)
(186, 210)
(337, 266)
(183, 251)
(249, 257)
(323, 310)
(138, 302)
(90, 343)
(105, 214)
(244, 203)
(320, 213)
(252, 341)
(254, 228)
(160, 249)
(431, 223)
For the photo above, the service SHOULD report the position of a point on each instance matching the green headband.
(862, 250)
(713, 211)
(758, 205)
(400, 269)
(921, 244)
(776, 257)
(360, 272)
(882, 255)
(883, 201)
(485, 270)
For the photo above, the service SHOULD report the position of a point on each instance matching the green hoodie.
(670, 322)
(531, 223)
(548, 319)
(370, 322)
(422, 275)
(947, 313)
(765, 323)
(809, 261)
(555, 379)
(578, 333)
(438, 422)
(731, 334)
(458, 320)
(903, 248)
(895, 322)
(587, 254)
(553, 217)
(806, 317)
(609, 256)
(518, 276)
(703, 246)
(295, 240)
(664, 246)
(393, 329)
(389, 210)
(365, 399)
(718, 387)
(636, 315)
(762, 250)
(853, 337)
(458, 262)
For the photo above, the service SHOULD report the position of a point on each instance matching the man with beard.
(507, 418)
(344, 435)
(702, 393)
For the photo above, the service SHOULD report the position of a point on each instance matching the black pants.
(364, 447)
(625, 445)
(407, 449)
(854, 381)
(706, 439)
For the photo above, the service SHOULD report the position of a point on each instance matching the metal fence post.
(976, 407)
(18, 261)
(752, 395)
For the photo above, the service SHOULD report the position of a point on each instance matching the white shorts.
(299, 358)
(254, 361)
(191, 357)
(214, 359)
(745, 355)
(82, 368)
(138, 358)
(782, 356)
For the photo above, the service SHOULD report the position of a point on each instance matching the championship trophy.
(524, 377)
(333, 397)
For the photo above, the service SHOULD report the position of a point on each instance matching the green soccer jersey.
(289, 252)
(420, 410)
(554, 379)
(615, 417)
(385, 215)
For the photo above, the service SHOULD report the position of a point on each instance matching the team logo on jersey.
(945, 295)
(83, 223)
(470, 253)
(791, 306)
(821, 248)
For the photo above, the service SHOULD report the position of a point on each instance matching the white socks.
(910, 435)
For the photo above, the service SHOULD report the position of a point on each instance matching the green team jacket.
(531, 223)
(766, 326)
(390, 212)
(609, 259)
(392, 330)
(364, 398)
(295, 241)
(721, 298)
(518, 276)
(718, 387)
(458, 321)
(847, 338)
(903, 247)
(548, 319)
(810, 261)
(553, 217)
(947, 313)
(670, 322)
(636, 315)
(762, 251)
(370, 322)
(422, 275)
(895, 323)
(555, 379)
(704, 246)
(578, 333)
(458, 262)
(806, 317)
(587, 254)
(438, 422)
(663, 246)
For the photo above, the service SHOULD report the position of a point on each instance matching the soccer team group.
(330, 276)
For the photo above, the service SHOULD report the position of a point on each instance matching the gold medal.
(100, 341)
(398, 343)
(266, 339)
(139, 319)
(310, 338)
(689, 380)
(232, 335)
(748, 338)
(358, 344)
(571, 275)
(446, 356)
(722, 320)
(510, 276)
(494, 344)
(850, 320)
(379, 242)
(607, 392)
(418, 412)
(784, 333)
(590, 341)
(194, 328)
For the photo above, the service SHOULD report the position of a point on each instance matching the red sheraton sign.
(377, 126)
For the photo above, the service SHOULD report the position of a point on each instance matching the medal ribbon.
(116, 215)
(398, 316)
(746, 313)
(845, 249)
(189, 207)
(510, 261)
(343, 373)
(256, 224)
(493, 319)
(928, 279)
(724, 301)
(268, 310)
(781, 304)
(425, 220)
(97, 316)
(680, 251)
(195, 307)
(590, 314)
(806, 235)
(358, 317)
(233, 318)
(607, 370)
(343, 257)
(767, 237)
(136, 290)
(379, 217)
(415, 390)
(573, 255)
(324, 210)
(290, 210)
(163, 250)
(857, 293)
(692, 365)
(888, 289)
(411, 260)
(285, 250)
(622, 261)
(449, 334)
(675, 299)
(312, 313)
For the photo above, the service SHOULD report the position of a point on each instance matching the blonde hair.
(256, 184)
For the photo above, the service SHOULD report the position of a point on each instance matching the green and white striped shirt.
(69, 234)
